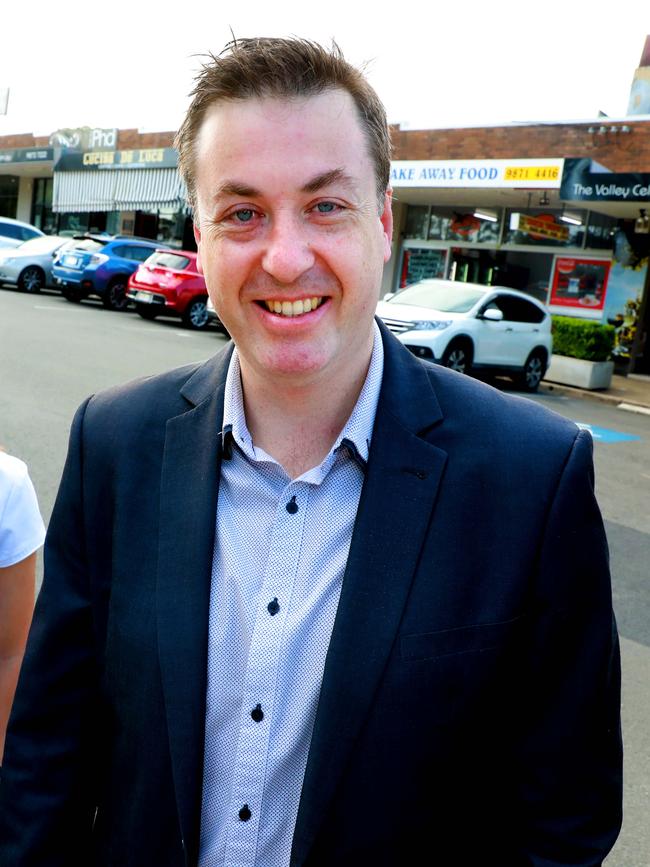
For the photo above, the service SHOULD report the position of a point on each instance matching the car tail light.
(98, 258)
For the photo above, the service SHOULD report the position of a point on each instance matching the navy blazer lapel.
(397, 500)
(188, 500)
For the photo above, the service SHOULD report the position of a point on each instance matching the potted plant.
(582, 352)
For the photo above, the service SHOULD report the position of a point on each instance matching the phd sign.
(522, 174)
(585, 181)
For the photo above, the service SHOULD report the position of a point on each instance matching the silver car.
(29, 266)
(14, 232)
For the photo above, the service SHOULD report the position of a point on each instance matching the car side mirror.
(492, 314)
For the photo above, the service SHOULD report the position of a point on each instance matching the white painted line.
(632, 407)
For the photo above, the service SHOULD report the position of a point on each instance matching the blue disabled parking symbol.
(605, 435)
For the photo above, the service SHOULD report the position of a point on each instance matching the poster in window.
(579, 286)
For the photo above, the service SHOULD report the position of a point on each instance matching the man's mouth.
(293, 308)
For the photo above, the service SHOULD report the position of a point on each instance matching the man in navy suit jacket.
(457, 702)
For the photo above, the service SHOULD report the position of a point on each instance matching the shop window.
(79, 223)
(475, 226)
(8, 196)
(42, 215)
(554, 228)
(171, 227)
(601, 231)
(417, 218)
(422, 264)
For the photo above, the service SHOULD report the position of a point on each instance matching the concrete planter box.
(579, 373)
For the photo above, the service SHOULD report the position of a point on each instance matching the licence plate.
(71, 261)
(147, 297)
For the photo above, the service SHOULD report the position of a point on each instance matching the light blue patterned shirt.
(280, 553)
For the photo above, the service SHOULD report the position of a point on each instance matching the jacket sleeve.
(47, 798)
(567, 731)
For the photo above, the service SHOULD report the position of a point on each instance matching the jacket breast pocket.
(477, 638)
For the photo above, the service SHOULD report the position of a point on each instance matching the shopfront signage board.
(138, 158)
(479, 174)
(586, 181)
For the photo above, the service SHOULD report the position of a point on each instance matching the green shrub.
(582, 338)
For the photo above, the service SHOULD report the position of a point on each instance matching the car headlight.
(431, 324)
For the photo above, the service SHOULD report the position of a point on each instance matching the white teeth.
(294, 308)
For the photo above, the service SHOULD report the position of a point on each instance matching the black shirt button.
(292, 506)
(273, 607)
(257, 713)
(245, 813)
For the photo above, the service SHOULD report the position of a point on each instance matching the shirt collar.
(355, 436)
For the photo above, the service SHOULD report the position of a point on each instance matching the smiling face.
(291, 237)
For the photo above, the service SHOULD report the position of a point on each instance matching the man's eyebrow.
(236, 188)
(335, 176)
(239, 188)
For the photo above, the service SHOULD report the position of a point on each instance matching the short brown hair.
(284, 68)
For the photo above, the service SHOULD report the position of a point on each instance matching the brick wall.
(619, 152)
(127, 139)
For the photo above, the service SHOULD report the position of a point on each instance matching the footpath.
(627, 392)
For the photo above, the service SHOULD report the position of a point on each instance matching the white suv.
(465, 326)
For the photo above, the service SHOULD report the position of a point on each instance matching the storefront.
(132, 192)
(510, 223)
(24, 173)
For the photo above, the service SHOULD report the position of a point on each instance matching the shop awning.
(118, 190)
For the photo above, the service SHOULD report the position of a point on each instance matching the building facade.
(559, 210)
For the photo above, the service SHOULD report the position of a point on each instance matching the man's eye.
(245, 215)
(325, 207)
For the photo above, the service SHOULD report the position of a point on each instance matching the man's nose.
(288, 254)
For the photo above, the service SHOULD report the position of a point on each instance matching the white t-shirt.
(21, 526)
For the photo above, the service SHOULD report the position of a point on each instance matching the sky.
(130, 63)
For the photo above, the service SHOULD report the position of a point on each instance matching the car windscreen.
(446, 297)
(41, 244)
(161, 259)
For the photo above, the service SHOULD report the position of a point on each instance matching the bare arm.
(16, 606)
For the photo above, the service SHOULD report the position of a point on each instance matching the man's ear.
(197, 238)
(387, 223)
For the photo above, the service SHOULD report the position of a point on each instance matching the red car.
(168, 284)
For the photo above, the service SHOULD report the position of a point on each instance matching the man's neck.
(295, 422)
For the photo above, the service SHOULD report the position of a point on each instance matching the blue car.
(100, 265)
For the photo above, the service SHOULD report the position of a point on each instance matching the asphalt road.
(53, 354)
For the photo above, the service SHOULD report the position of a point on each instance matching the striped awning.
(118, 190)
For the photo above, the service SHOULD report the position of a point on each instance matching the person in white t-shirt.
(21, 534)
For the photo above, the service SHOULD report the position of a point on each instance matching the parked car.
(29, 266)
(14, 232)
(466, 326)
(100, 265)
(169, 284)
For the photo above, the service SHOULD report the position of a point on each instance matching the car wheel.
(533, 371)
(32, 279)
(70, 293)
(458, 356)
(114, 297)
(145, 311)
(196, 314)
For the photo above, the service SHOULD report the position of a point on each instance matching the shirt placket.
(261, 679)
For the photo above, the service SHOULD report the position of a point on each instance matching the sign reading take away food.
(521, 174)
